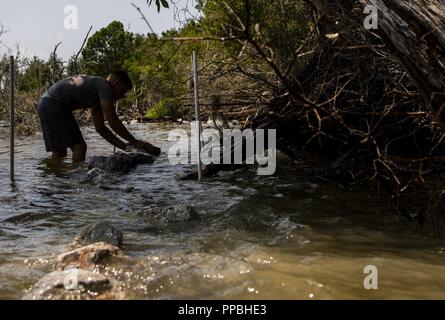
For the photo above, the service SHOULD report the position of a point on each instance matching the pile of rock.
(120, 162)
(104, 171)
(76, 273)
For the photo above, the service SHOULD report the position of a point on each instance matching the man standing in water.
(60, 128)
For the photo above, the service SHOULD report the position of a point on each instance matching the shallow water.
(280, 237)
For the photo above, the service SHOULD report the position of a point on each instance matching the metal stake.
(117, 110)
(197, 111)
(11, 117)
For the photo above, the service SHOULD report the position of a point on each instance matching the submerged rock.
(120, 162)
(75, 284)
(99, 232)
(99, 177)
(173, 214)
(209, 170)
(187, 176)
(88, 257)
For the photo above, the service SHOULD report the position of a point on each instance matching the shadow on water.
(285, 236)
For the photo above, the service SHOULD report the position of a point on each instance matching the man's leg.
(58, 155)
(79, 152)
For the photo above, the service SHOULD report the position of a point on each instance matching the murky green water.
(278, 237)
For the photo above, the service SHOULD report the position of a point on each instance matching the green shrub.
(165, 108)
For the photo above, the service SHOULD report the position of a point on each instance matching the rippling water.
(280, 237)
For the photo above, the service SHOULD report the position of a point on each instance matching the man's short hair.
(123, 78)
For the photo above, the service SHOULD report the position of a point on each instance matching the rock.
(99, 177)
(119, 162)
(187, 176)
(218, 122)
(88, 257)
(235, 124)
(173, 214)
(93, 172)
(99, 232)
(75, 284)
(209, 170)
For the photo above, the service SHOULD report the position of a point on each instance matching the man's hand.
(147, 147)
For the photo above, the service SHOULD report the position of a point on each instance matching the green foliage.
(161, 68)
(165, 108)
(36, 75)
(107, 49)
(158, 3)
(72, 67)
(273, 28)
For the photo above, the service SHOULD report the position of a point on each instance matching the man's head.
(120, 84)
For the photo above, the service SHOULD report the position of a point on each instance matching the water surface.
(287, 236)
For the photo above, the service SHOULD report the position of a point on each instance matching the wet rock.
(129, 189)
(88, 257)
(209, 170)
(99, 232)
(187, 176)
(120, 162)
(173, 214)
(99, 177)
(75, 284)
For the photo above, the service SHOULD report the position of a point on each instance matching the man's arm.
(110, 115)
(101, 128)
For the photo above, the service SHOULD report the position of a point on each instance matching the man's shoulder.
(96, 82)
(100, 81)
(103, 88)
(92, 79)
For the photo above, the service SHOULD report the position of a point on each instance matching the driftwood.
(414, 32)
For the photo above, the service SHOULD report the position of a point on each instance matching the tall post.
(117, 110)
(197, 111)
(11, 117)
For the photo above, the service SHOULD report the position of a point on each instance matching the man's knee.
(79, 152)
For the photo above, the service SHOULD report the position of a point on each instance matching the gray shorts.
(59, 127)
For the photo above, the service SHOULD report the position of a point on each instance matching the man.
(60, 128)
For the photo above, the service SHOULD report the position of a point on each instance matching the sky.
(38, 25)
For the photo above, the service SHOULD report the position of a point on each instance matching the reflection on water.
(280, 237)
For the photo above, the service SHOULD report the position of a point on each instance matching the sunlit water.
(285, 236)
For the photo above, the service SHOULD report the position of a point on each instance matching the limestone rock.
(120, 162)
(75, 284)
(173, 214)
(99, 232)
(99, 177)
(88, 257)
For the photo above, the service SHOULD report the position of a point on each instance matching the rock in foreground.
(88, 257)
(75, 284)
(99, 232)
